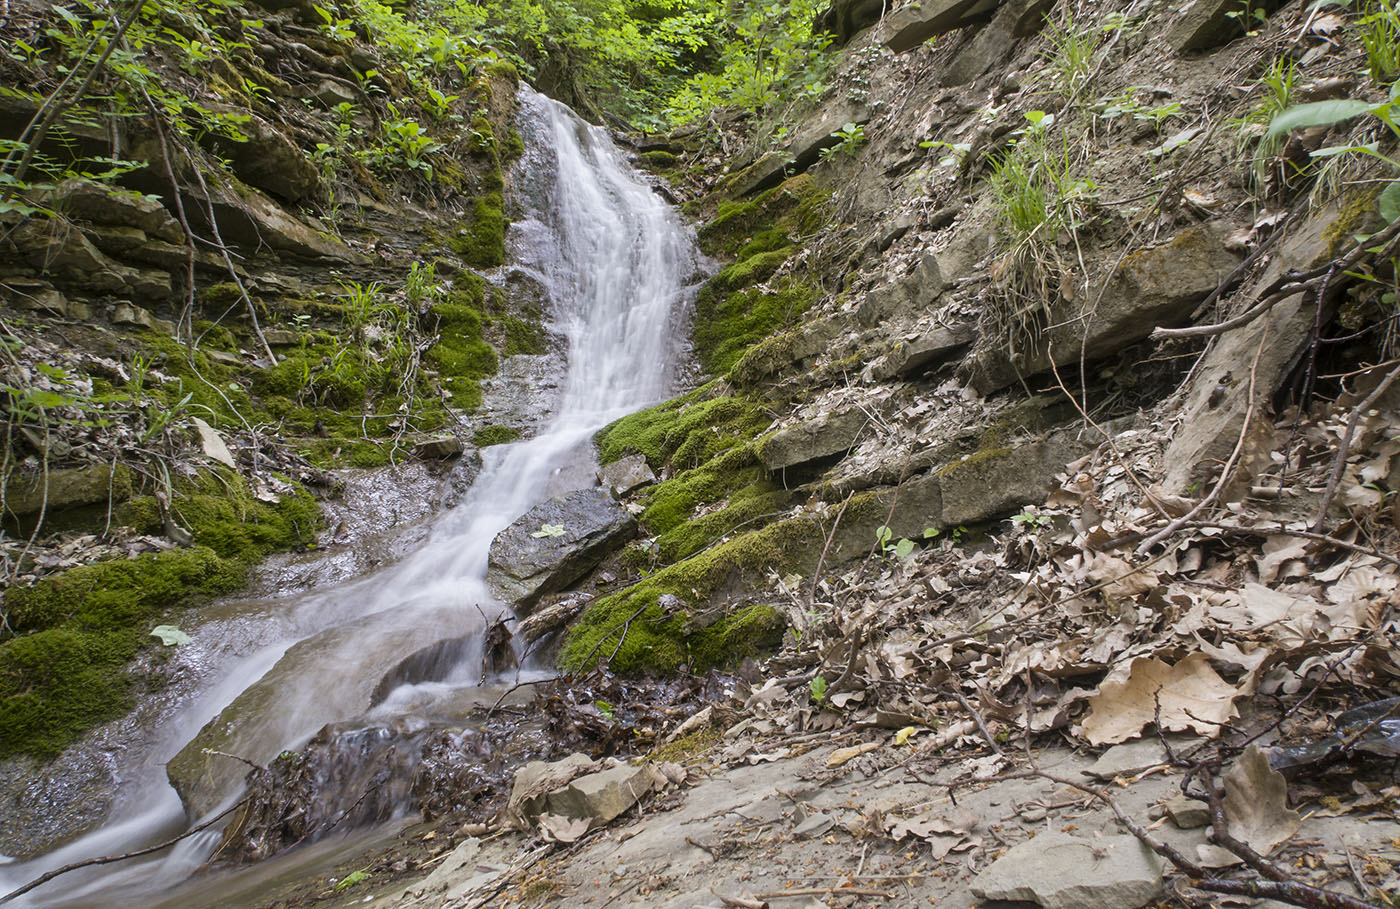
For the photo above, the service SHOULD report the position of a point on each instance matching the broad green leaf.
(549, 530)
(1389, 202)
(904, 548)
(1317, 113)
(170, 636)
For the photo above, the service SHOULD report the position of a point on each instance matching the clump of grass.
(1039, 197)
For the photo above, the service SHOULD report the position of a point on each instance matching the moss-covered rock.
(685, 431)
(494, 435)
(64, 670)
(726, 326)
(480, 238)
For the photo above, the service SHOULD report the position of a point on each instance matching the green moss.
(661, 641)
(660, 161)
(480, 239)
(727, 326)
(1354, 210)
(494, 435)
(513, 146)
(76, 631)
(521, 336)
(504, 70)
(978, 462)
(686, 431)
(689, 747)
(460, 354)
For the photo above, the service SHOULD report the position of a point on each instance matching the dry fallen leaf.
(1256, 802)
(842, 755)
(1192, 696)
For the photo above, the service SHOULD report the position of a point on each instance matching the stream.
(617, 263)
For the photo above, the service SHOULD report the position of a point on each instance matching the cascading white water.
(616, 262)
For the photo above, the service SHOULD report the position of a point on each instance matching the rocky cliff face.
(967, 269)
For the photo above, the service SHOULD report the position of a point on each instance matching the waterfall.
(616, 262)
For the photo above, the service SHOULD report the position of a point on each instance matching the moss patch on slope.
(64, 669)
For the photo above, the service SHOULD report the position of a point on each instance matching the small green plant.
(606, 709)
(1279, 81)
(817, 687)
(1030, 516)
(903, 548)
(549, 530)
(1250, 15)
(1379, 31)
(849, 138)
(353, 878)
(1071, 59)
(1341, 110)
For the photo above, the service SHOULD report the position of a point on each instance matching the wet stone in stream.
(357, 774)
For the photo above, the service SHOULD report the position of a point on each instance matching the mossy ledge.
(65, 669)
(650, 637)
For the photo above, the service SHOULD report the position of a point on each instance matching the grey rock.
(1128, 759)
(249, 219)
(914, 23)
(55, 247)
(1204, 24)
(534, 782)
(437, 448)
(998, 482)
(916, 290)
(626, 474)
(127, 314)
(994, 43)
(1187, 813)
(116, 239)
(814, 825)
(844, 18)
(331, 92)
(523, 567)
(919, 354)
(1058, 871)
(102, 204)
(1218, 398)
(600, 797)
(29, 296)
(267, 159)
(828, 435)
(281, 337)
(223, 357)
(26, 492)
(1154, 287)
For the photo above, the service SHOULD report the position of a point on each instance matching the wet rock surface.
(556, 543)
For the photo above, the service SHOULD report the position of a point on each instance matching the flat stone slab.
(830, 434)
(626, 474)
(556, 543)
(1059, 871)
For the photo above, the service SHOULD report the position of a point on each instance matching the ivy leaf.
(170, 636)
(904, 548)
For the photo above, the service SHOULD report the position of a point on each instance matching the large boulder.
(264, 157)
(107, 205)
(556, 543)
(26, 493)
(327, 678)
(993, 44)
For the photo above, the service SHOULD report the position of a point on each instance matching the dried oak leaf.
(1256, 802)
(1192, 696)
